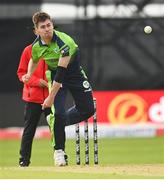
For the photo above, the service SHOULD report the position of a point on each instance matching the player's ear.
(35, 31)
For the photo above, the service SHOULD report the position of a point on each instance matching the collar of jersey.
(42, 43)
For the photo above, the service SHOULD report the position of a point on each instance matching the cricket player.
(61, 54)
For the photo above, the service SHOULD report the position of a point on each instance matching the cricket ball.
(147, 29)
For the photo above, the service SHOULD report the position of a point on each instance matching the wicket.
(86, 139)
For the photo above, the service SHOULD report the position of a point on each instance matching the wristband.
(60, 73)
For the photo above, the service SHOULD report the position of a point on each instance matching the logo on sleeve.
(65, 50)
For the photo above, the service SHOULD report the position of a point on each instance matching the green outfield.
(118, 158)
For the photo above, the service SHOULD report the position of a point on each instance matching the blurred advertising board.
(138, 113)
(130, 107)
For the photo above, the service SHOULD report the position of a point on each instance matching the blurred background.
(125, 66)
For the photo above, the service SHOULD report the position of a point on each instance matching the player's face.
(45, 29)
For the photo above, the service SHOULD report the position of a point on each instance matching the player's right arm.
(31, 68)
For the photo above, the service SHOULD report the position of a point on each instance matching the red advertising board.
(130, 107)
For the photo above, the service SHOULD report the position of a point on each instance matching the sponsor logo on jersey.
(86, 84)
(87, 87)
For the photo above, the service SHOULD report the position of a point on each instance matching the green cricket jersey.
(60, 46)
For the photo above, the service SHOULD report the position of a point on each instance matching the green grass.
(116, 158)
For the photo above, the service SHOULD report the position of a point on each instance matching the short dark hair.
(40, 17)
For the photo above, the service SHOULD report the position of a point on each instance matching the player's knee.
(88, 112)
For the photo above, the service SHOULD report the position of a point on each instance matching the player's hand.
(48, 102)
(43, 83)
(26, 78)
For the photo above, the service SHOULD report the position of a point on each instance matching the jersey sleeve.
(35, 56)
(65, 51)
(68, 47)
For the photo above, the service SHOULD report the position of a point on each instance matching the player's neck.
(47, 40)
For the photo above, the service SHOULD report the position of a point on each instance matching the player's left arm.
(60, 74)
